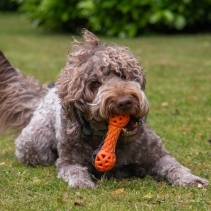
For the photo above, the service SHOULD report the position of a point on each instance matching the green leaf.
(155, 18)
(180, 22)
(65, 16)
(168, 15)
(131, 29)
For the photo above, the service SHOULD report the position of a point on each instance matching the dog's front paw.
(77, 176)
(81, 183)
(191, 181)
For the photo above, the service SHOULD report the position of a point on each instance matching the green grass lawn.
(179, 92)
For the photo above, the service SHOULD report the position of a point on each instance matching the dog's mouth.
(131, 128)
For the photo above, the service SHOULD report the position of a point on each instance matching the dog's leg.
(36, 146)
(176, 174)
(71, 168)
(74, 159)
(163, 165)
(75, 175)
(37, 143)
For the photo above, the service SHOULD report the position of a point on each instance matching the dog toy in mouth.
(104, 157)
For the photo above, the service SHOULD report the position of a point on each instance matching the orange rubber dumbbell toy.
(104, 159)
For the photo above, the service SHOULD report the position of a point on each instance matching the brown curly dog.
(67, 123)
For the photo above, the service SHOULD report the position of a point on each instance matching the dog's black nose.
(124, 103)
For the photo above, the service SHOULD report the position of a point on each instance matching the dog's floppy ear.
(131, 68)
(137, 74)
(71, 83)
(140, 77)
(70, 88)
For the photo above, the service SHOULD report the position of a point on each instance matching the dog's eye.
(95, 85)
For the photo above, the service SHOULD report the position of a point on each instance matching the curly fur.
(19, 97)
(92, 59)
(98, 81)
(105, 103)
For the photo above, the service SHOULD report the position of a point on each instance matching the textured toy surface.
(106, 158)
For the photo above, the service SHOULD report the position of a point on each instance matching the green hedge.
(54, 15)
(120, 18)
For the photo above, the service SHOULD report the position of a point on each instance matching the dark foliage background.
(117, 18)
(8, 5)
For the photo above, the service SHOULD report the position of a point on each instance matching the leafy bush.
(185, 15)
(53, 15)
(135, 17)
(121, 18)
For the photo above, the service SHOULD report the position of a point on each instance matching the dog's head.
(102, 80)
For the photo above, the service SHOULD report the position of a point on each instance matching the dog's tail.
(19, 97)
